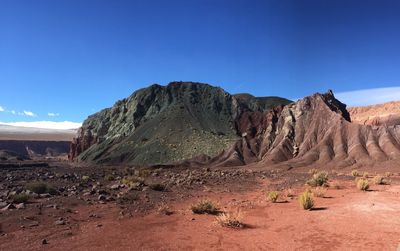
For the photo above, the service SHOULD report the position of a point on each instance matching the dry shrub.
(366, 175)
(132, 181)
(318, 179)
(231, 219)
(380, 180)
(204, 207)
(306, 200)
(362, 184)
(388, 174)
(273, 196)
(354, 173)
(41, 188)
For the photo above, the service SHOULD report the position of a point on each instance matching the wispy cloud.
(369, 96)
(52, 114)
(45, 124)
(1, 109)
(29, 113)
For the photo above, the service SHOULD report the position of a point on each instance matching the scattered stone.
(8, 207)
(102, 197)
(44, 242)
(20, 206)
(60, 222)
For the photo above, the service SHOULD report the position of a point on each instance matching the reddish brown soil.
(345, 219)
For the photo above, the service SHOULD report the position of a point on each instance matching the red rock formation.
(382, 114)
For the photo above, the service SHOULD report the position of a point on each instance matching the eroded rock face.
(315, 130)
(387, 114)
(165, 124)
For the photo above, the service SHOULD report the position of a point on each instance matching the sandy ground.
(345, 219)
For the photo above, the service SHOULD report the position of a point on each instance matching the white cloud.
(29, 113)
(13, 112)
(1, 109)
(45, 124)
(369, 96)
(52, 114)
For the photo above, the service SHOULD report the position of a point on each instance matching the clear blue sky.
(75, 57)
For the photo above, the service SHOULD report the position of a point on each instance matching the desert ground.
(114, 208)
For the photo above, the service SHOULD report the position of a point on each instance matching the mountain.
(314, 131)
(166, 124)
(382, 114)
(20, 143)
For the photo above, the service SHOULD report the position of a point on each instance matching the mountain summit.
(166, 124)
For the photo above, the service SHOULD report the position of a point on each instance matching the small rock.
(44, 242)
(60, 222)
(115, 187)
(102, 197)
(8, 207)
(20, 206)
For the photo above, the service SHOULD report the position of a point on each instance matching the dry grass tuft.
(231, 219)
(362, 184)
(354, 173)
(204, 207)
(164, 209)
(273, 196)
(380, 180)
(306, 200)
(318, 179)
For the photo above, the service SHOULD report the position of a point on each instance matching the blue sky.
(64, 60)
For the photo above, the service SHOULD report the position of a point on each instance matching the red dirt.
(345, 219)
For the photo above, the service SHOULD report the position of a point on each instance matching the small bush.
(354, 173)
(273, 196)
(366, 175)
(41, 188)
(204, 207)
(158, 187)
(318, 179)
(132, 181)
(306, 201)
(388, 174)
(20, 198)
(362, 184)
(231, 219)
(319, 192)
(380, 180)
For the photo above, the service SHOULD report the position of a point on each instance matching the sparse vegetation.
(273, 196)
(20, 198)
(109, 177)
(362, 184)
(380, 180)
(204, 207)
(354, 173)
(366, 175)
(231, 219)
(85, 178)
(132, 181)
(41, 188)
(306, 200)
(388, 174)
(318, 179)
(319, 192)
